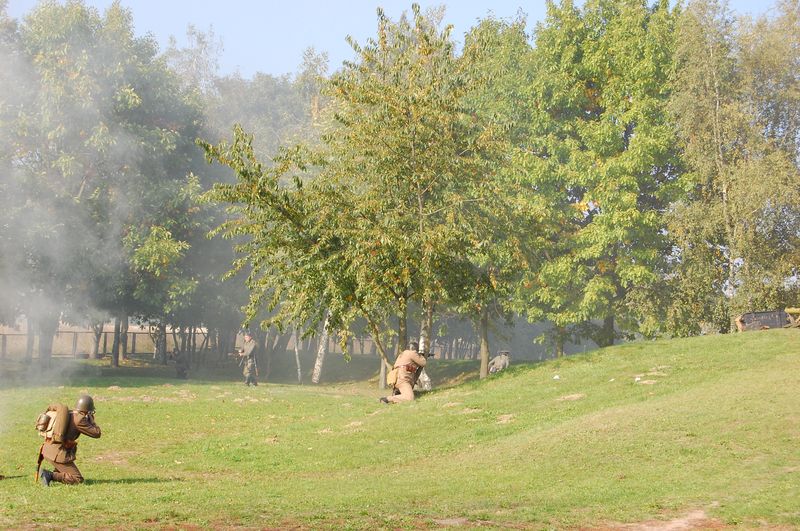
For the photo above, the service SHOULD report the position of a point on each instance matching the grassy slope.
(713, 423)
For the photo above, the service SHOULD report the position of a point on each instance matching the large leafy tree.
(505, 228)
(101, 153)
(378, 216)
(601, 159)
(734, 106)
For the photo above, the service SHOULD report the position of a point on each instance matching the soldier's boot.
(45, 477)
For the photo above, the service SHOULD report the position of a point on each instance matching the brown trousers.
(66, 473)
(406, 392)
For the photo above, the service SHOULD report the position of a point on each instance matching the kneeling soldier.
(408, 362)
(500, 362)
(62, 454)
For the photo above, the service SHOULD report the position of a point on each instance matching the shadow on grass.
(123, 481)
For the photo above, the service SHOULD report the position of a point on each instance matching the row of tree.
(628, 169)
(633, 170)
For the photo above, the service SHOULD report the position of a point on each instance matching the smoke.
(69, 161)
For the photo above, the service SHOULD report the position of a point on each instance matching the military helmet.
(413, 345)
(85, 404)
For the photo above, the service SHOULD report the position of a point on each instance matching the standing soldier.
(248, 354)
(62, 454)
(407, 364)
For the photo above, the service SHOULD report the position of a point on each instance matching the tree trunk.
(322, 350)
(605, 337)
(29, 339)
(183, 334)
(382, 376)
(402, 325)
(559, 341)
(297, 356)
(115, 343)
(47, 326)
(426, 344)
(123, 336)
(161, 343)
(483, 332)
(97, 331)
(426, 326)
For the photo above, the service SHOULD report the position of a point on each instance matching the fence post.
(105, 343)
(4, 346)
(74, 344)
(133, 343)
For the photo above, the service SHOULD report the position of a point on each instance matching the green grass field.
(700, 432)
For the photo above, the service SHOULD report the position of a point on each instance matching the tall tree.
(736, 233)
(381, 219)
(101, 153)
(601, 156)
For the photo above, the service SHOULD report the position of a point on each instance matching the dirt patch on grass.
(505, 419)
(570, 398)
(114, 458)
(451, 522)
(183, 395)
(697, 519)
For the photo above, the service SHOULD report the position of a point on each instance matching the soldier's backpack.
(52, 424)
(391, 377)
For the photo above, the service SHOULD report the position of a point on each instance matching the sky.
(270, 36)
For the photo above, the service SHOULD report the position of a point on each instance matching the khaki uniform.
(62, 455)
(408, 362)
(249, 355)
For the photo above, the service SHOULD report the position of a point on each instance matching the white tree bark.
(322, 350)
(297, 356)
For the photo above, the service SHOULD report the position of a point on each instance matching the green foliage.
(376, 223)
(601, 154)
(736, 231)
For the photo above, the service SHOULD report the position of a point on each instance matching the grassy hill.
(701, 432)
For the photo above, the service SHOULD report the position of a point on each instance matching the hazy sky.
(270, 36)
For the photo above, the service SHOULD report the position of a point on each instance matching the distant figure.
(500, 362)
(407, 364)
(740, 326)
(248, 355)
(181, 364)
(62, 454)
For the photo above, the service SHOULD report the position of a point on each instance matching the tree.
(101, 152)
(601, 161)
(503, 229)
(376, 217)
(736, 232)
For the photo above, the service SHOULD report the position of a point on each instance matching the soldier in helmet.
(408, 363)
(248, 355)
(62, 454)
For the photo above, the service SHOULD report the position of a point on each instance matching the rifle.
(419, 370)
(238, 356)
